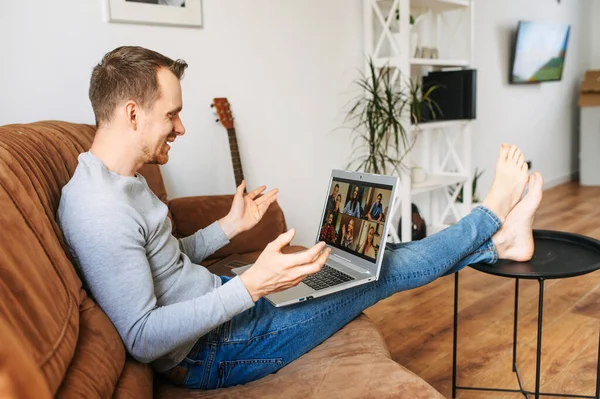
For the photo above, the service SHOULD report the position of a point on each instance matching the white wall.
(286, 67)
(595, 36)
(542, 119)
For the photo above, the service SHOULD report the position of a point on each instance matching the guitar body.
(226, 118)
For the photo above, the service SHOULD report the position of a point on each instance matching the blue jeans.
(264, 338)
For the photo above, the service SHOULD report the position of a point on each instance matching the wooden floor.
(417, 324)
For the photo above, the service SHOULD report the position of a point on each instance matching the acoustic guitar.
(226, 118)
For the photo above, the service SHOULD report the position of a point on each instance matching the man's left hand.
(247, 210)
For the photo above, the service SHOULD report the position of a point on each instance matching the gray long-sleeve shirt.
(144, 279)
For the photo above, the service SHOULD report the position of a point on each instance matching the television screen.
(539, 52)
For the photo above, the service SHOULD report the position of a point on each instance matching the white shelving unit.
(444, 147)
(439, 62)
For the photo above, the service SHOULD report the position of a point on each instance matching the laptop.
(354, 223)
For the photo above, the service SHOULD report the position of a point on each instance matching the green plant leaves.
(379, 117)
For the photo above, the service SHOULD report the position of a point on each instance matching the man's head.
(379, 197)
(336, 190)
(136, 91)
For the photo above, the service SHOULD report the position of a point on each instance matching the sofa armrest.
(193, 213)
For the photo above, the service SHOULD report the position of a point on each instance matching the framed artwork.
(157, 12)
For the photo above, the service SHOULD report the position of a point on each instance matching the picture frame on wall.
(187, 13)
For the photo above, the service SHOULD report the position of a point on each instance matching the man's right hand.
(274, 271)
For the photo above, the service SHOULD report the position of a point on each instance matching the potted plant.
(422, 107)
(379, 116)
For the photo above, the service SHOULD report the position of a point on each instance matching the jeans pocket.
(195, 373)
(243, 371)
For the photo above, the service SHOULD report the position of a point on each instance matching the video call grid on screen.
(355, 226)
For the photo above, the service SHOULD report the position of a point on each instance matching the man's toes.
(512, 151)
(503, 152)
(517, 153)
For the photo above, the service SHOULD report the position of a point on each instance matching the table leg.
(515, 325)
(539, 339)
(455, 339)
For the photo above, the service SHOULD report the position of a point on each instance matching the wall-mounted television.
(539, 52)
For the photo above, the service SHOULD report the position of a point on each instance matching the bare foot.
(509, 181)
(514, 240)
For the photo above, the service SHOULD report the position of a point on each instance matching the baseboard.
(556, 181)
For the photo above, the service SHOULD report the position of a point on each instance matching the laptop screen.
(355, 215)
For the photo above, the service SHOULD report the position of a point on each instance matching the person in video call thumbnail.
(352, 208)
(328, 231)
(331, 200)
(338, 204)
(347, 234)
(376, 212)
(367, 247)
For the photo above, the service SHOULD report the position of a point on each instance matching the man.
(206, 331)
(331, 200)
(376, 211)
(327, 233)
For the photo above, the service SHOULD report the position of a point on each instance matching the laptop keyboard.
(326, 277)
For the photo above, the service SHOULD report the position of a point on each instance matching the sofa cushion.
(135, 382)
(353, 363)
(193, 213)
(19, 375)
(41, 298)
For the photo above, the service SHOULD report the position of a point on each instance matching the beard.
(154, 158)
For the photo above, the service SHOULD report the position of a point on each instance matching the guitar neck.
(235, 157)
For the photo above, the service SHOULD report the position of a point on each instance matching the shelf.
(434, 182)
(387, 61)
(439, 62)
(440, 5)
(439, 125)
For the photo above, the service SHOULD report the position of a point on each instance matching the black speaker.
(456, 95)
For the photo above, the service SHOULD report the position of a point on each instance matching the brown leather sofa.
(55, 341)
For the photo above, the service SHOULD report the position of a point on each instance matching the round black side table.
(557, 255)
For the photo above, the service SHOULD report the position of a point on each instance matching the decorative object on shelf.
(425, 52)
(434, 53)
(423, 108)
(158, 12)
(377, 118)
(418, 226)
(456, 92)
(418, 174)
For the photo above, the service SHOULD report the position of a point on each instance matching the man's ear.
(132, 113)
